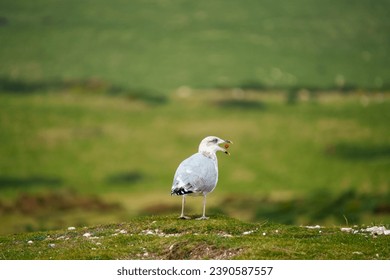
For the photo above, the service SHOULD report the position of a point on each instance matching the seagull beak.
(227, 146)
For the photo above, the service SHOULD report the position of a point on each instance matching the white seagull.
(198, 174)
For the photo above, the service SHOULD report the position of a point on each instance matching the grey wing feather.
(195, 175)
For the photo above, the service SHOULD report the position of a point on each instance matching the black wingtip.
(180, 191)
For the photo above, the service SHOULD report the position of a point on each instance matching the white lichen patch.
(346, 229)
(375, 230)
(249, 231)
(313, 227)
(159, 233)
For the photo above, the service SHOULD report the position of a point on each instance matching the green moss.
(219, 238)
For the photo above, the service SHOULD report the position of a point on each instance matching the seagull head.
(210, 145)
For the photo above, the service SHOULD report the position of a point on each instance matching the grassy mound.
(221, 237)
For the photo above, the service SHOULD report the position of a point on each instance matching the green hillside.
(166, 237)
(82, 157)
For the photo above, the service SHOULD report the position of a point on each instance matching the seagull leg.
(204, 209)
(183, 202)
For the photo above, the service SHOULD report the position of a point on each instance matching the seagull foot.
(202, 218)
(184, 218)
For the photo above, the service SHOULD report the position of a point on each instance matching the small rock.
(30, 242)
(123, 231)
(87, 234)
(71, 228)
(378, 230)
(224, 234)
(346, 229)
(52, 245)
(248, 232)
(313, 227)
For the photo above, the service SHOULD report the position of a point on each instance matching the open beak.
(227, 142)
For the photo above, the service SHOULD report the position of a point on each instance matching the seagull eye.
(215, 140)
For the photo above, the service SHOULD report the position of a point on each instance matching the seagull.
(198, 174)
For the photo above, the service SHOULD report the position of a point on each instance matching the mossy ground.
(220, 237)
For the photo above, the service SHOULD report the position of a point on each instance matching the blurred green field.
(100, 102)
(164, 44)
(323, 159)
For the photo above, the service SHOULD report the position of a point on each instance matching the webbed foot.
(184, 218)
(202, 218)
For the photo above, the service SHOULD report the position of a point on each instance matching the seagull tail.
(180, 191)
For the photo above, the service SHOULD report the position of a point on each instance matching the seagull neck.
(209, 154)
